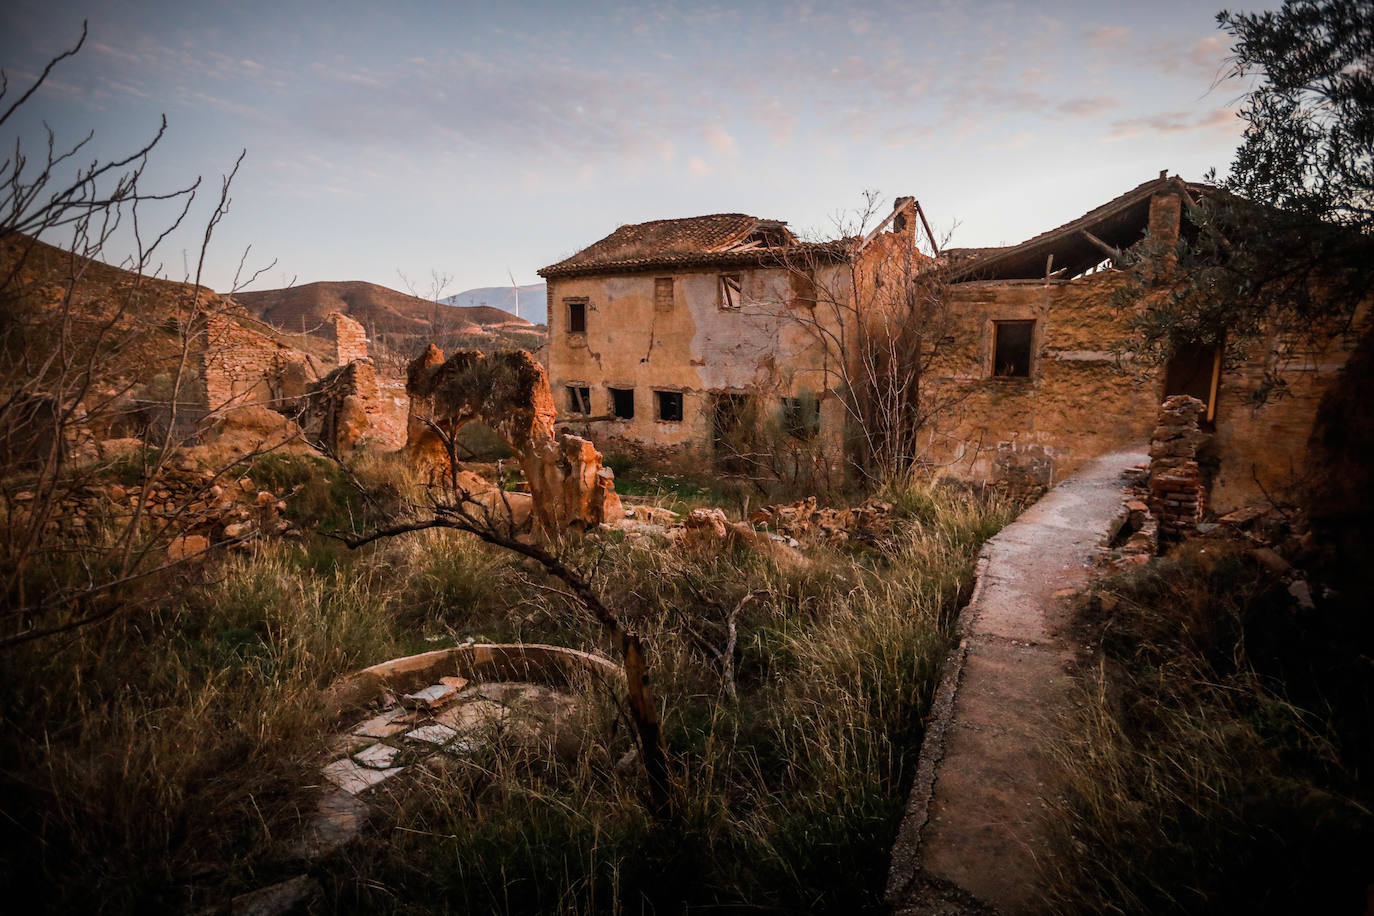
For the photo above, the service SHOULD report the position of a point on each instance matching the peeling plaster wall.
(695, 348)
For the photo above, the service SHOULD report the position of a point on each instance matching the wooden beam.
(934, 245)
(1108, 250)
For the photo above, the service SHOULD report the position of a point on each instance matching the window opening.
(663, 294)
(579, 399)
(577, 317)
(730, 294)
(670, 406)
(1011, 356)
(801, 417)
(623, 403)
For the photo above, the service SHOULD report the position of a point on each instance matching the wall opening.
(623, 403)
(1195, 370)
(579, 399)
(669, 406)
(801, 417)
(1011, 355)
(577, 317)
(730, 291)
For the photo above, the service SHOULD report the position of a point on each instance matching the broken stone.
(472, 716)
(1241, 517)
(1302, 593)
(187, 546)
(353, 777)
(431, 697)
(339, 818)
(433, 734)
(457, 683)
(295, 895)
(264, 499)
(236, 529)
(377, 757)
(383, 726)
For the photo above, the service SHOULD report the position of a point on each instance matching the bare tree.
(88, 353)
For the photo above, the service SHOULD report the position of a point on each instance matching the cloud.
(697, 166)
(1172, 122)
(719, 139)
(1109, 37)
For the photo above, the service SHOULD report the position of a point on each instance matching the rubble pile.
(198, 506)
(805, 520)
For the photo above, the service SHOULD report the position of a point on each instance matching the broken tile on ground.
(472, 715)
(383, 726)
(431, 697)
(339, 817)
(432, 734)
(377, 757)
(353, 778)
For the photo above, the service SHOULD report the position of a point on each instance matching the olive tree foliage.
(1283, 246)
(88, 354)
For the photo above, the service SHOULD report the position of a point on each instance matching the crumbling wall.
(350, 340)
(1178, 491)
(1076, 403)
(241, 366)
(510, 393)
(340, 407)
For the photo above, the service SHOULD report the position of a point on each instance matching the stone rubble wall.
(339, 407)
(241, 366)
(350, 340)
(1178, 491)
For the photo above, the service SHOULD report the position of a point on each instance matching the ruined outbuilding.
(510, 393)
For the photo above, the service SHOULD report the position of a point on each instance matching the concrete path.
(971, 836)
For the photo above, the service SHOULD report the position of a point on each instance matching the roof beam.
(1108, 250)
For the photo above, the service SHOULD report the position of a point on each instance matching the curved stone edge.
(905, 867)
(554, 666)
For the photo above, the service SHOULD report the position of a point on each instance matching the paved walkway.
(971, 835)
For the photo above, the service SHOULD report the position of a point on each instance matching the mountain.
(392, 319)
(533, 305)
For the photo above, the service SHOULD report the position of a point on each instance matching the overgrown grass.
(1196, 784)
(162, 762)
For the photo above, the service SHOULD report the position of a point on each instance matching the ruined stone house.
(659, 330)
(1043, 389)
(664, 333)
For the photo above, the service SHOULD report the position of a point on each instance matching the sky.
(402, 142)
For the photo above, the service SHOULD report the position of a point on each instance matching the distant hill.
(533, 305)
(395, 319)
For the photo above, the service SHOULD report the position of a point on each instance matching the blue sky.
(471, 139)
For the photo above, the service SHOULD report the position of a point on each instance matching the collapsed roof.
(720, 239)
(1076, 246)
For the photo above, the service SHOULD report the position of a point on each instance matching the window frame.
(612, 392)
(573, 306)
(659, 395)
(579, 400)
(997, 325)
(730, 291)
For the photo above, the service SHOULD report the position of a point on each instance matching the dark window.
(670, 406)
(577, 317)
(1011, 357)
(623, 403)
(579, 399)
(663, 294)
(801, 417)
(730, 295)
(1194, 370)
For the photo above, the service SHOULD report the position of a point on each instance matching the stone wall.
(1077, 402)
(1177, 489)
(340, 407)
(350, 340)
(242, 366)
